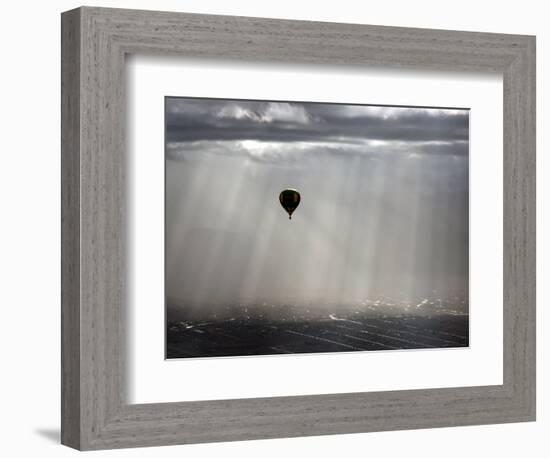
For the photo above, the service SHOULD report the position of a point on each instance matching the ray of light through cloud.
(384, 209)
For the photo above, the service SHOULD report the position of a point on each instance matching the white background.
(29, 250)
(155, 380)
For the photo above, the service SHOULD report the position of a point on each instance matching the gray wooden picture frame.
(95, 412)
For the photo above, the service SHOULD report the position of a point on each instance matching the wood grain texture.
(96, 414)
(70, 229)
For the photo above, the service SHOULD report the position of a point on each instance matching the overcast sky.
(384, 207)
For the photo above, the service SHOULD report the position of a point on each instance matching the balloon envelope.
(289, 199)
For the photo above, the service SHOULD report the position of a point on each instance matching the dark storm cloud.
(192, 120)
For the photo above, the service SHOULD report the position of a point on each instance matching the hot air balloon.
(290, 199)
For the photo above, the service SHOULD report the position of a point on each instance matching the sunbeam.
(381, 232)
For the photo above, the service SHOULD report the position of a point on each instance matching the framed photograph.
(278, 228)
